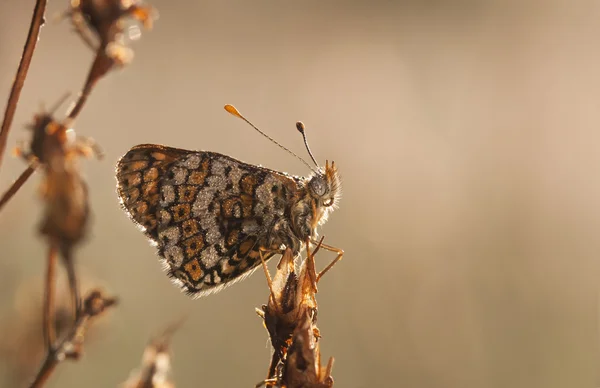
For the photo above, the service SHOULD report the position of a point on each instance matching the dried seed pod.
(156, 363)
(292, 298)
(94, 305)
(105, 21)
(302, 367)
(56, 151)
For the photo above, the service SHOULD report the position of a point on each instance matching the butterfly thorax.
(305, 215)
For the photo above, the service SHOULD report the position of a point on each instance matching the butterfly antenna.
(231, 109)
(302, 129)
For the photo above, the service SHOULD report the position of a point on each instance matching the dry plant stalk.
(103, 21)
(71, 346)
(37, 22)
(156, 362)
(302, 367)
(290, 317)
(56, 150)
(25, 347)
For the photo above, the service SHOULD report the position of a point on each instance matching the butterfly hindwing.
(213, 214)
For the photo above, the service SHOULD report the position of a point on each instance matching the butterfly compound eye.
(318, 186)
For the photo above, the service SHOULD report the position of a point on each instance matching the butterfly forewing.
(208, 213)
(139, 173)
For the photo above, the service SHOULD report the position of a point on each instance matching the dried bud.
(156, 362)
(107, 21)
(56, 150)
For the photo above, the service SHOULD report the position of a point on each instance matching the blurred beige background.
(467, 134)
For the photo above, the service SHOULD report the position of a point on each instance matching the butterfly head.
(325, 188)
(323, 191)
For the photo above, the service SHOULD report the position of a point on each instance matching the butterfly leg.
(310, 262)
(340, 254)
(268, 276)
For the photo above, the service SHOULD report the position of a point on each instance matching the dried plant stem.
(71, 345)
(83, 96)
(45, 372)
(99, 68)
(12, 190)
(32, 37)
(73, 286)
(49, 329)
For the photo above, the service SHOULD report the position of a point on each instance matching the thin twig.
(12, 190)
(73, 285)
(49, 329)
(71, 345)
(32, 37)
(44, 372)
(98, 69)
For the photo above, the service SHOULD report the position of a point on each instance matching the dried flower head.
(302, 367)
(55, 149)
(106, 20)
(292, 298)
(156, 362)
(94, 305)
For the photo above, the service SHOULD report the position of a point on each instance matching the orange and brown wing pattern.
(139, 173)
(215, 213)
(208, 214)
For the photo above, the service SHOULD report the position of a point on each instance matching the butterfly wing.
(209, 214)
(138, 173)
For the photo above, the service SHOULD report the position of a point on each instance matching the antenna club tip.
(300, 126)
(231, 109)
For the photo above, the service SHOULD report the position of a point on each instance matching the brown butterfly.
(213, 217)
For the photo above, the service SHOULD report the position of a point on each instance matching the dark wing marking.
(214, 213)
(138, 175)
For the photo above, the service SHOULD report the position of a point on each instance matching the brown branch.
(46, 370)
(104, 61)
(99, 68)
(73, 285)
(105, 20)
(12, 190)
(48, 317)
(32, 37)
(71, 346)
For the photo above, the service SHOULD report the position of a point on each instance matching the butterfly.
(213, 218)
